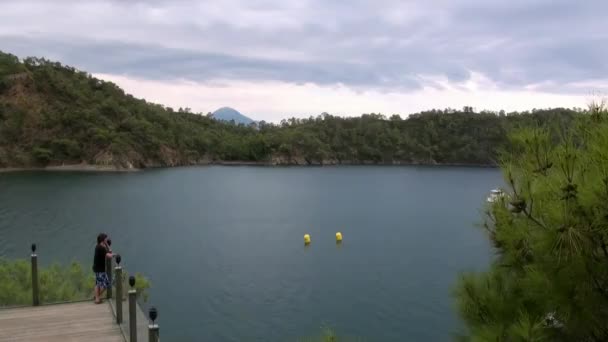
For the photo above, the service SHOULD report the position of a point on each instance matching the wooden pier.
(118, 319)
(83, 321)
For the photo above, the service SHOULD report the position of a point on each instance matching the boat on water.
(495, 195)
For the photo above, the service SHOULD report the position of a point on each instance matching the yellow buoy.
(306, 239)
(338, 237)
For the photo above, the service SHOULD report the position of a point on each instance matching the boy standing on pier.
(102, 251)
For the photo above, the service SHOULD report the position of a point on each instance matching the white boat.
(552, 321)
(495, 195)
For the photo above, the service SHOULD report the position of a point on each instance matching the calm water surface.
(224, 251)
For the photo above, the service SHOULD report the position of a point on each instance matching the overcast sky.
(274, 59)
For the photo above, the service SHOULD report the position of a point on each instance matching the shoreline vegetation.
(109, 168)
(69, 167)
(55, 117)
(57, 283)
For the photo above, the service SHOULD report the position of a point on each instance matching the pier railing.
(50, 287)
(128, 304)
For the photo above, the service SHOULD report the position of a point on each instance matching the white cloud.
(273, 101)
(346, 57)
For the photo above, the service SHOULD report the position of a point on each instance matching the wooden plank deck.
(84, 321)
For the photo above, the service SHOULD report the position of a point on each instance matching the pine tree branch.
(604, 249)
(533, 219)
(598, 286)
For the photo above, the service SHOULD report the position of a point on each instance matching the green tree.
(549, 280)
(52, 114)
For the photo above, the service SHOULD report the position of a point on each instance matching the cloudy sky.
(273, 59)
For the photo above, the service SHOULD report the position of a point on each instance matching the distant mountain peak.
(229, 114)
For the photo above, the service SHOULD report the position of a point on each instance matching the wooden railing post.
(153, 333)
(35, 289)
(132, 310)
(109, 273)
(118, 271)
(153, 328)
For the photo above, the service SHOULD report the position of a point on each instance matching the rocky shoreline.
(84, 167)
(70, 167)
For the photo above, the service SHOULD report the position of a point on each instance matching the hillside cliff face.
(52, 114)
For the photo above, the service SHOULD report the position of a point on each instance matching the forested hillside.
(52, 114)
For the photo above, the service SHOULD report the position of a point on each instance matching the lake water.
(223, 246)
